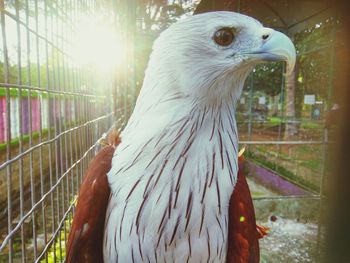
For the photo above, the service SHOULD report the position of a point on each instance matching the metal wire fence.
(54, 111)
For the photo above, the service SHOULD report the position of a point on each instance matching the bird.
(173, 188)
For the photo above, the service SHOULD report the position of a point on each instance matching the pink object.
(35, 114)
(2, 119)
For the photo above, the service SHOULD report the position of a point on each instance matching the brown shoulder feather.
(243, 244)
(86, 235)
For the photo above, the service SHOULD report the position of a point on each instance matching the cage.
(64, 85)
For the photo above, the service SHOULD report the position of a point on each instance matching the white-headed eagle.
(172, 192)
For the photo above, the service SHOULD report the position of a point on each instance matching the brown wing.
(243, 243)
(86, 235)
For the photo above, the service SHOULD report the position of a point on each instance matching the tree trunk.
(275, 100)
(291, 126)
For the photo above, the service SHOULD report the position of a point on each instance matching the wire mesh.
(54, 111)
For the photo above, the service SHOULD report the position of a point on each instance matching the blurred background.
(70, 70)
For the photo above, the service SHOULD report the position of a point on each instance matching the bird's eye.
(224, 37)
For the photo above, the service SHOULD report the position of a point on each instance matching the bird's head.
(209, 55)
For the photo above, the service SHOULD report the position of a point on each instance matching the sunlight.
(97, 45)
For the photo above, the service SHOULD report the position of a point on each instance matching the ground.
(289, 241)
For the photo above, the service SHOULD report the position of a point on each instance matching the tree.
(291, 127)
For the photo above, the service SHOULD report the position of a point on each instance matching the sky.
(93, 42)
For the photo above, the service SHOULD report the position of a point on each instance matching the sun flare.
(97, 45)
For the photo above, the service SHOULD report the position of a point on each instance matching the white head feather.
(186, 62)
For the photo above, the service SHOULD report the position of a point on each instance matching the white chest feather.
(171, 191)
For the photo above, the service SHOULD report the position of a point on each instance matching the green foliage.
(314, 47)
(14, 92)
(312, 164)
(57, 252)
(169, 14)
(58, 249)
(268, 78)
(28, 73)
(311, 125)
(159, 14)
(25, 138)
(275, 121)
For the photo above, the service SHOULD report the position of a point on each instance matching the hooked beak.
(276, 47)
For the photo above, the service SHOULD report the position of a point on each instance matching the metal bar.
(77, 150)
(283, 197)
(283, 142)
(283, 79)
(325, 138)
(29, 99)
(250, 105)
(21, 174)
(70, 164)
(323, 175)
(42, 180)
(48, 85)
(56, 110)
(8, 130)
(66, 193)
(282, 121)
